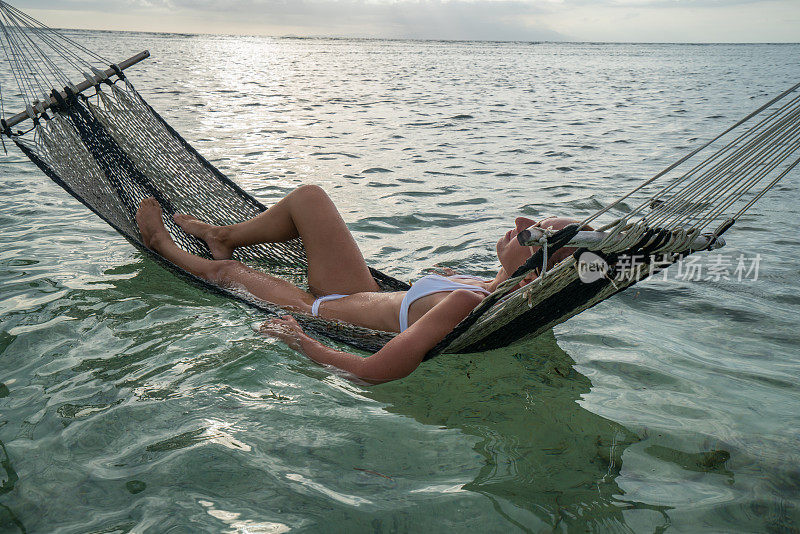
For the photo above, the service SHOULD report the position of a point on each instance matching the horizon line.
(432, 39)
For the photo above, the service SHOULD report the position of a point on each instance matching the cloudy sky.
(529, 20)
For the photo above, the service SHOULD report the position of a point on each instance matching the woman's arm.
(396, 359)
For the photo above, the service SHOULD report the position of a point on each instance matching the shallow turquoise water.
(132, 402)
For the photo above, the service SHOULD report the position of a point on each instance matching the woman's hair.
(559, 255)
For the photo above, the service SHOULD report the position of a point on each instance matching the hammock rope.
(103, 143)
(769, 147)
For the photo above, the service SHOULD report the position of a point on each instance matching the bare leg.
(223, 272)
(335, 263)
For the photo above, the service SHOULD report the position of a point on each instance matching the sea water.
(132, 402)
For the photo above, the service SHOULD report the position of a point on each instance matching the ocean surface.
(133, 402)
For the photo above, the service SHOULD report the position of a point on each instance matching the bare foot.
(212, 235)
(151, 225)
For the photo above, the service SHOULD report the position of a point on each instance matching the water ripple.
(131, 401)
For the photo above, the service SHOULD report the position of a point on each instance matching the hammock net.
(102, 143)
(112, 151)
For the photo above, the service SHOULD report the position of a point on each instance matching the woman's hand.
(284, 328)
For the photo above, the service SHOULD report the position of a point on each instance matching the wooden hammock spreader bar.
(82, 86)
(591, 240)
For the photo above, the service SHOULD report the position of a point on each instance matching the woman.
(341, 286)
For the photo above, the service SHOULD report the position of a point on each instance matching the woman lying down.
(340, 284)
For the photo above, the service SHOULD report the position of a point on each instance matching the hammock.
(100, 141)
